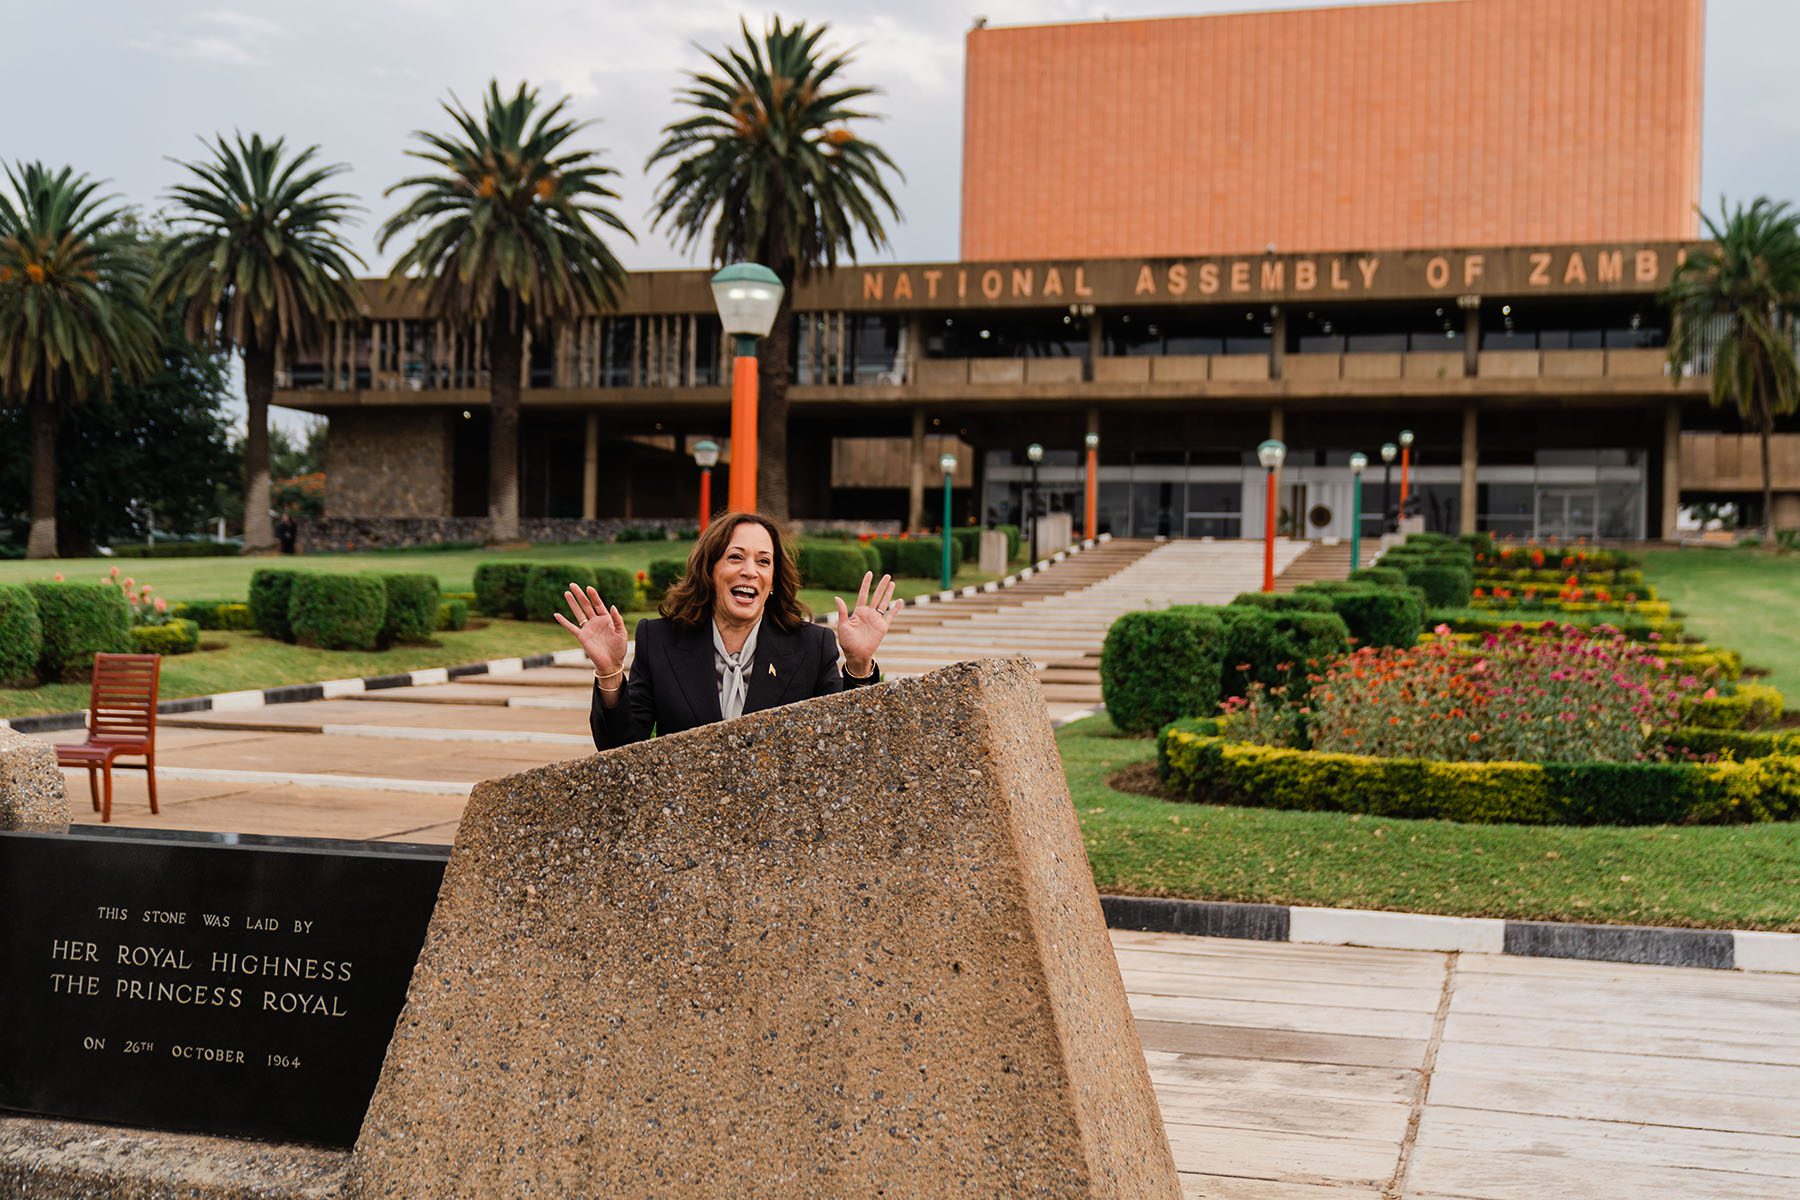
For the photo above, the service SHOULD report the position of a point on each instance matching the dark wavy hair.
(690, 602)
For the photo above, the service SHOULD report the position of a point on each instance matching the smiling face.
(744, 575)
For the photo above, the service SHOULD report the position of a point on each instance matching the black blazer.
(673, 685)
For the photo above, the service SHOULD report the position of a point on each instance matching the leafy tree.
(1742, 290)
(115, 481)
(72, 313)
(508, 234)
(769, 170)
(257, 263)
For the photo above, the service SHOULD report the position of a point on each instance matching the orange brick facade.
(1395, 126)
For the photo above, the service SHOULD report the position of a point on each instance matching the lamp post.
(1358, 463)
(1092, 441)
(706, 457)
(1406, 441)
(948, 462)
(1270, 454)
(748, 296)
(1034, 453)
(1388, 451)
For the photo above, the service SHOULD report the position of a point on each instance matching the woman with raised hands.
(733, 638)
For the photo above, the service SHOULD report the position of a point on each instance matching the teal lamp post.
(1358, 463)
(948, 462)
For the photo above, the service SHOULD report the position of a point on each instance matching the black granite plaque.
(215, 983)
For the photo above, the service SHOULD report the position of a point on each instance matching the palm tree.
(770, 166)
(508, 237)
(256, 265)
(72, 312)
(1743, 289)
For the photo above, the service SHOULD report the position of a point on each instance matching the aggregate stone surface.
(847, 947)
(31, 785)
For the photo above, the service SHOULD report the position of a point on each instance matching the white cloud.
(219, 36)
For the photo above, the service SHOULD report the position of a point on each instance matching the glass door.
(1565, 514)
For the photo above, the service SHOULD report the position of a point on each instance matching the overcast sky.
(115, 87)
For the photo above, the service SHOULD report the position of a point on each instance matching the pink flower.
(1709, 694)
(1441, 630)
(115, 572)
(162, 605)
(58, 577)
(130, 582)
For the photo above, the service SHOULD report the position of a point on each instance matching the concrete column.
(1277, 342)
(1278, 424)
(1471, 454)
(915, 488)
(1096, 342)
(590, 470)
(1671, 470)
(1471, 306)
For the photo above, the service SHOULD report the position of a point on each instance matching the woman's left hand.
(860, 630)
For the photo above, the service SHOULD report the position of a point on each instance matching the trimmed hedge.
(546, 583)
(214, 614)
(1014, 541)
(79, 620)
(21, 637)
(180, 636)
(1445, 586)
(834, 566)
(412, 607)
(1259, 643)
(500, 589)
(1379, 616)
(1193, 760)
(1481, 620)
(1387, 577)
(1736, 743)
(179, 550)
(968, 542)
(1158, 666)
(665, 573)
(616, 585)
(338, 612)
(271, 602)
(1751, 706)
(923, 558)
(887, 553)
(452, 615)
(1285, 601)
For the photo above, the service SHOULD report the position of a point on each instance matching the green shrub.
(452, 615)
(467, 598)
(634, 533)
(1285, 601)
(923, 558)
(616, 585)
(412, 608)
(665, 573)
(178, 550)
(1481, 544)
(1158, 666)
(546, 583)
(180, 636)
(338, 612)
(1193, 761)
(271, 599)
(1445, 586)
(834, 566)
(500, 589)
(78, 621)
(214, 614)
(1735, 743)
(968, 544)
(1752, 706)
(1276, 649)
(1387, 577)
(21, 637)
(887, 554)
(1379, 616)
(1014, 540)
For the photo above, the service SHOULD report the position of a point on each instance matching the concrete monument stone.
(992, 559)
(1055, 532)
(32, 796)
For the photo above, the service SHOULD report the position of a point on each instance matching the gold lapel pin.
(771, 668)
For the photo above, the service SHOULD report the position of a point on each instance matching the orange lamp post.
(706, 457)
(1092, 530)
(1270, 454)
(1406, 441)
(748, 296)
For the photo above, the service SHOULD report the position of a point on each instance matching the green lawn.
(1745, 600)
(1740, 876)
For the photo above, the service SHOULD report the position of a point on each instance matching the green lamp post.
(1358, 463)
(948, 462)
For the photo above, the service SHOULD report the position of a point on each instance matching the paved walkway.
(1284, 1071)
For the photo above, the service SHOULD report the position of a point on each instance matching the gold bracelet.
(870, 675)
(599, 678)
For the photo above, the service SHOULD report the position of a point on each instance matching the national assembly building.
(1183, 235)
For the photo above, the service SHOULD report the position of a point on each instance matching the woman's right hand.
(600, 630)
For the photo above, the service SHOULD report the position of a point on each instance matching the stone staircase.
(1321, 561)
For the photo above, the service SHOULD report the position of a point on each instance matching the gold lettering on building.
(1609, 267)
(1473, 265)
(872, 285)
(992, 284)
(931, 282)
(1647, 266)
(1024, 281)
(1178, 279)
(1081, 284)
(1306, 275)
(903, 289)
(1240, 276)
(1209, 278)
(1368, 267)
(1146, 281)
(1575, 270)
(1437, 272)
(1273, 273)
(1052, 282)
(1540, 270)
(962, 284)
(1338, 282)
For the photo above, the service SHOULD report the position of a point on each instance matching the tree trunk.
(506, 336)
(772, 356)
(41, 413)
(1768, 427)
(259, 390)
